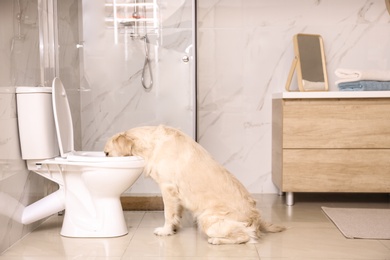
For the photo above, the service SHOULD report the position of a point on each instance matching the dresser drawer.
(336, 170)
(336, 123)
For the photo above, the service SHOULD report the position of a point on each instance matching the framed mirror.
(309, 63)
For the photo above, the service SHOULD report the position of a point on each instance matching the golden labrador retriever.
(190, 178)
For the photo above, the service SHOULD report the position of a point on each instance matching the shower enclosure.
(138, 67)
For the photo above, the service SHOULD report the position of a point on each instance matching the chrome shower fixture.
(137, 23)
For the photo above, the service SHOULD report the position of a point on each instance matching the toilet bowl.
(90, 184)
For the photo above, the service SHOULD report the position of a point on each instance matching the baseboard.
(142, 203)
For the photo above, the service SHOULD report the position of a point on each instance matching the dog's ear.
(122, 145)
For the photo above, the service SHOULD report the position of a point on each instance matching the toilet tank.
(37, 133)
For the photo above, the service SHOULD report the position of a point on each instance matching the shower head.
(127, 23)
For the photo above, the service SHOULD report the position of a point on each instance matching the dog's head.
(136, 141)
(119, 145)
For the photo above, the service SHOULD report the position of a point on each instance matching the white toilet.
(90, 184)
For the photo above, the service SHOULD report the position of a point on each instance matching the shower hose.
(147, 66)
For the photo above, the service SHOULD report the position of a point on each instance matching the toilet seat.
(97, 159)
(90, 156)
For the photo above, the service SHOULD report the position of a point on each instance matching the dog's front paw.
(164, 231)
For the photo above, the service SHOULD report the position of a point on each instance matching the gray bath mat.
(361, 222)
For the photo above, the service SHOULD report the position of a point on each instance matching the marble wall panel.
(245, 52)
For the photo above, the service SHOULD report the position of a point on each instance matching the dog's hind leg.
(172, 211)
(222, 231)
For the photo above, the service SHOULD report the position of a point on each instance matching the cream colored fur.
(189, 178)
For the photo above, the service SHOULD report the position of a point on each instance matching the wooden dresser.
(331, 142)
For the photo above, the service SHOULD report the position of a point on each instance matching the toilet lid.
(62, 118)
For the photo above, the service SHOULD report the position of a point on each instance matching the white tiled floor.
(310, 235)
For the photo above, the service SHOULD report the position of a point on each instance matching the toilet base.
(92, 194)
(107, 221)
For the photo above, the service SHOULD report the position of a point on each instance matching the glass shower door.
(138, 67)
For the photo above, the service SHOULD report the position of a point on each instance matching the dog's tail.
(262, 226)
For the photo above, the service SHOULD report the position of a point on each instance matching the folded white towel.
(347, 75)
